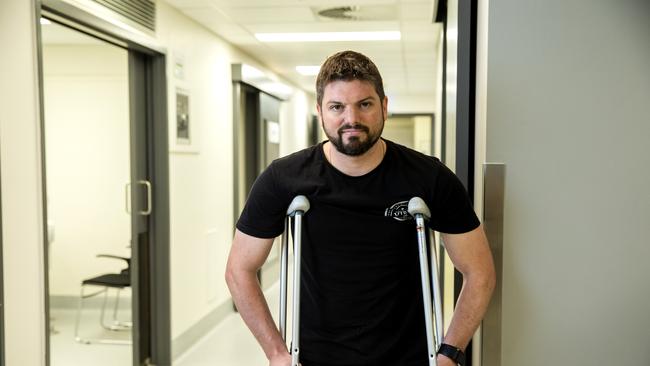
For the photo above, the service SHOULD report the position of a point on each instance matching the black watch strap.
(454, 353)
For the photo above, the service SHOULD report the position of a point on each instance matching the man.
(361, 291)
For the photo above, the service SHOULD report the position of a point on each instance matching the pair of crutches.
(416, 208)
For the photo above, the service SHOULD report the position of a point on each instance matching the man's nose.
(352, 115)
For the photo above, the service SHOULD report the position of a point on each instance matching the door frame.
(148, 94)
(2, 301)
(465, 104)
(153, 107)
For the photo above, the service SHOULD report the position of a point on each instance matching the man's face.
(352, 115)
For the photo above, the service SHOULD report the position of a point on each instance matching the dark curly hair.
(347, 66)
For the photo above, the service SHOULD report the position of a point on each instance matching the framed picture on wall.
(182, 117)
(183, 129)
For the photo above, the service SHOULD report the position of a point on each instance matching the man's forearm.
(470, 308)
(251, 304)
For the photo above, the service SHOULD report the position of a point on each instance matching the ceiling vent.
(357, 13)
(141, 12)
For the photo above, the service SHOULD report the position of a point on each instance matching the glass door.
(91, 198)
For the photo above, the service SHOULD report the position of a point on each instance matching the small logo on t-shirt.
(399, 211)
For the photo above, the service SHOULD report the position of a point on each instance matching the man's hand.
(281, 359)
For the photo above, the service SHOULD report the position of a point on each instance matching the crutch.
(419, 210)
(298, 207)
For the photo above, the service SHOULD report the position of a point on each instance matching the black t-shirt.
(361, 297)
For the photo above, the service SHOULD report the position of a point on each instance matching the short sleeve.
(265, 210)
(452, 210)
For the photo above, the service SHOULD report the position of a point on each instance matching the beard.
(355, 145)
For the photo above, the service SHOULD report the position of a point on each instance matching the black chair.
(117, 281)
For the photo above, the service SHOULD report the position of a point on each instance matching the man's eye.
(365, 104)
(335, 107)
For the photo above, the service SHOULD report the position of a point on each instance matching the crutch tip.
(299, 203)
(418, 206)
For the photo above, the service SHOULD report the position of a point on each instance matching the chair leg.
(115, 308)
(119, 325)
(78, 319)
(80, 307)
(102, 317)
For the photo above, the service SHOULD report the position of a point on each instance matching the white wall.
(437, 110)
(410, 104)
(200, 177)
(20, 170)
(567, 110)
(295, 115)
(201, 180)
(422, 131)
(86, 105)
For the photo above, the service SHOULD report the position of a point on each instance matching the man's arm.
(471, 255)
(247, 256)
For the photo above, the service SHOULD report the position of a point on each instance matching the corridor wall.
(22, 199)
(566, 110)
(200, 176)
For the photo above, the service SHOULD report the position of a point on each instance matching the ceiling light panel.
(308, 70)
(329, 36)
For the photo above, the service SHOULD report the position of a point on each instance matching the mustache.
(348, 126)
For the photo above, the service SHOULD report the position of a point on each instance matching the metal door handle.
(147, 184)
(127, 197)
(127, 194)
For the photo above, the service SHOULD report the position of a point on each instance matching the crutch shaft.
(295, 337)
(284, 254)
(297, 208)
(426, 287)
(437, 294)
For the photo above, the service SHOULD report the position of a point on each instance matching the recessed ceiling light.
(329, 36)
(308, 70)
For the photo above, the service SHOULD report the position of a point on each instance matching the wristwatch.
(454, 353)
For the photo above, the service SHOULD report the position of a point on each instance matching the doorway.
(257, 144)
(416, 131)
(107, 198)
(88, 165)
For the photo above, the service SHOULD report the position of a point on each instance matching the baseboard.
(191, 336)
(68, 302)
(182, 343)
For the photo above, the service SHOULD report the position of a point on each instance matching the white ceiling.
(407, 66)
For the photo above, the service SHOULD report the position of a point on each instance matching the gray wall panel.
(568, 90)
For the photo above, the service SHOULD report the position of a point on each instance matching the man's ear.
(384, 106)
(320, 112)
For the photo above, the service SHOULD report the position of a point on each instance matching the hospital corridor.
(455, 182)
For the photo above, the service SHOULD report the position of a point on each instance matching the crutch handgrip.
(418, 206)
(299, 203)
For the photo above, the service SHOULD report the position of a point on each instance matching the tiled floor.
(228, 344)
(64, 351)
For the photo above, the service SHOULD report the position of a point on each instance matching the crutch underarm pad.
(417, 206)
(299, 203)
